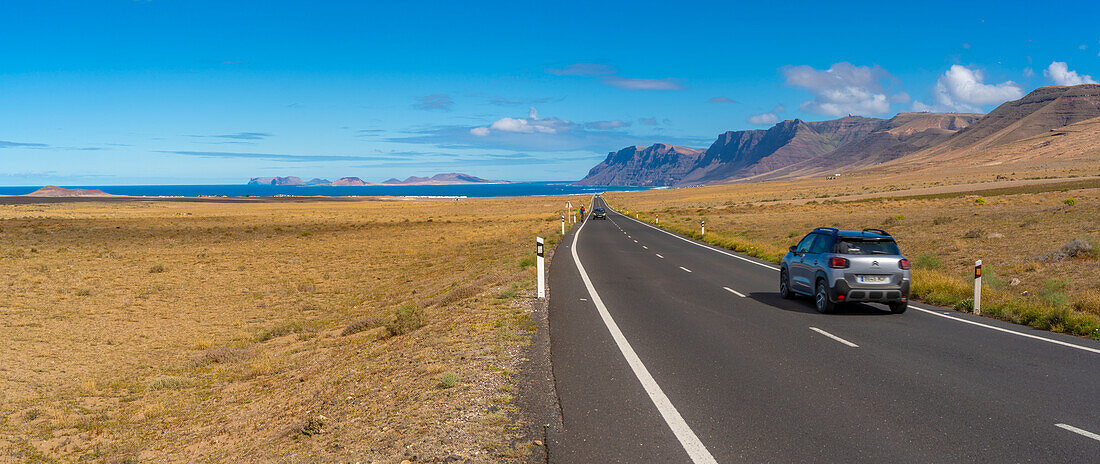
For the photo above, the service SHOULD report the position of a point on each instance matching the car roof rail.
(831, 230)
(878, 231)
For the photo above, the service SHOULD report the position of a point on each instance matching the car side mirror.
(792, 248)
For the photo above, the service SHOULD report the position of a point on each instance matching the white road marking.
(769, 266)
(691, 443)
(659, 256)
(643, 246)
(584, 299)
(929, 311)
(834, 337)
(999, 329)
(635, 241)
(735, 292)
(1079, 431)
(684, 268)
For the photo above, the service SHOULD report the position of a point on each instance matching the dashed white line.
(643, 246)
(635, 241)
(934, 312)
(735, 292)
(685, 269)
(691, 443)
(1079, 431)
(834, 337)
(659, 256)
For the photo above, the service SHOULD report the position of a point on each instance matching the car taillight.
(904, 264)
(838, 263)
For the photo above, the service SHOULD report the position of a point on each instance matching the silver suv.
(837, 266)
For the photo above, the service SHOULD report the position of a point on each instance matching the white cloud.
(630, 83)
(767, 119)
(764, 119)
(843, 88)
(1058, 72)
(480, 131)
(963, 89)
(606, 125)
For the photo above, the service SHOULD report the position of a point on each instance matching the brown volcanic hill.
(55, 191)
(899, 136)
(736, 154)
(656, 165)
(1041, 110)
(346, 182)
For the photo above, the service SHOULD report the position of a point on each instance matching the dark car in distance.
(599, 213)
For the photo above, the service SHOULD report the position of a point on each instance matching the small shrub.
(306, 287)
(980, 201)
(448, 380)
(1070, 201)
(1077, 248)
(313, 426)
(286, 328)
(362, 325)
(157, 269)
(224, 355)
(509, 292)
(84, 292)
(169, 382)
(974, 233)
(406, 318)
(942, 220)
(928, 261)
(32, 414)
(1053, 293)
(527, 261)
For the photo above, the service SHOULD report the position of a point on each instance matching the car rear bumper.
(842, 292)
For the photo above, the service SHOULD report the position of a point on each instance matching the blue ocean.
(519, 189)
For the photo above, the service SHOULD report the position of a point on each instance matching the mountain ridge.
(796, 148)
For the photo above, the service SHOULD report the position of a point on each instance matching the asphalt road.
(675, 351)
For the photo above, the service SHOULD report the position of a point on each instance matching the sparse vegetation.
(1013, 235)
(170, 322)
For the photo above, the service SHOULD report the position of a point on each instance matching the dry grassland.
(1018, 232)
(282, 331)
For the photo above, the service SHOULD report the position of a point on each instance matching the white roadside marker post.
(563, 224)
(569, 209)
(657, 218)
(541, 261)
(978, 287)
(703, 228)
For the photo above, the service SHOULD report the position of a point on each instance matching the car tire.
(899, 307)
(785, 285)
(821, 299)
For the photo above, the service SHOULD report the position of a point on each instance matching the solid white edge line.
(999, 329)
(691, 443)
(735, 292)
(929, 311)
(685, 269)
(742, 258)
(1079, 431)
(834, 337)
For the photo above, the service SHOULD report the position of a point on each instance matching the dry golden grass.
(943, 233)
(177, 331)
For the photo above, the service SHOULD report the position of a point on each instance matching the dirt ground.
(266, 331)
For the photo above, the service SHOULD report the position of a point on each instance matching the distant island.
(450, 178)
(55, 191)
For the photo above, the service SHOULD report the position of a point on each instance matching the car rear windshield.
(859, 246)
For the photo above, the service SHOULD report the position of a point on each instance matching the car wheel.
(821, 299)
(785, 285)
(899, 307)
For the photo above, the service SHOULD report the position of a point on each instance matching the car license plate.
(873, 279)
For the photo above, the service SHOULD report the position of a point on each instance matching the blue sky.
(170, 92)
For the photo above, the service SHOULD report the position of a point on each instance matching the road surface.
(668, 350)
